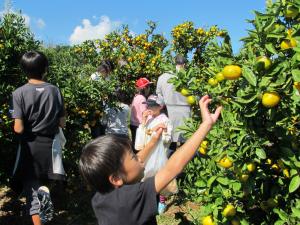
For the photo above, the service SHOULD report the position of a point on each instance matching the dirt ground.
(73, 207)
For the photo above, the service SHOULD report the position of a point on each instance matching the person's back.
(168, 92)
(177, 106)
(116, 119)
(125, 204)
(42, 106)
(38, 111)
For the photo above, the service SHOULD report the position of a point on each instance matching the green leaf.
(236, 186)
(260, 153)
(281, 214)
(296, 75)
(249, 76)
(296, 212)
(271, 48)
(211, 180)
(279, 222)
(200, 183)
(223, 180)
(294, 184)
(277, 36)
(246, 101)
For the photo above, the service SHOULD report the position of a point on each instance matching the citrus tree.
(247, 171)
(15, 39)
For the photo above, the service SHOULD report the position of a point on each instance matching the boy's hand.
(207, 117)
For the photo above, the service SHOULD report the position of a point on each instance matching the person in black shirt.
(38, 112)
(109, 165)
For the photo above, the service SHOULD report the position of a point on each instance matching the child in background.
(137, 107)
(109, 165)
(153, 117)
(103, 73)
(116, 119)
(38, 112)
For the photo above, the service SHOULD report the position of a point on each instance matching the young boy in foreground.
(109, 165)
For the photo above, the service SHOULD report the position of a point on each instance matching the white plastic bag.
(57, 145)
(156, 161)
(140, 138)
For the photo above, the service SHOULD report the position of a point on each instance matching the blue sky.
(69, 22)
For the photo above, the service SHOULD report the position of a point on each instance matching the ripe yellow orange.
(251, 167)
(293, 42)
(275, 167)
(244, 177)
(285, 44)
(191, 99)
(213, 82)
(297, 85)
(288, 43)
(202, 150)
(208, 220)
(286, 173)
(220, 77)
(266, 61)
(291, 11)
(229, 211)
(184, 92)
(204, 144)
(225, 162)
(269, 161)
(232, 72)
(270, 99)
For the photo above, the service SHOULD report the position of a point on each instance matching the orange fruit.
(191, 99)
(251, 167)
(232, 72)
(202, 150)
(204, 144)
(184, 92)
(293, 42)
(244, 177)
(208, 220)
(266, 61)
(220, 77)
(288, 43)
(229, 211)
(285, 44)
(270, 99)
(225, 162)
(213, 82)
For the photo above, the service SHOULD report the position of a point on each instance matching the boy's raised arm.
(185, 153)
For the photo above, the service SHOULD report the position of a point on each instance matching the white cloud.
(40, 23)
(87, 31)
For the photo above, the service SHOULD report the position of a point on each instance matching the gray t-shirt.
(39, 106)
(116, 119)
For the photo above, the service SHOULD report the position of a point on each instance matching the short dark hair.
(106, 66)
(180, 60)
(34, 64)
(102, 157)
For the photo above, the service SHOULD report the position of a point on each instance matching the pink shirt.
(137, 108)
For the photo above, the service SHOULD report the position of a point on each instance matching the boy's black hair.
(34, 64)
(101, 158)
(180, 60)
(106, 66)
